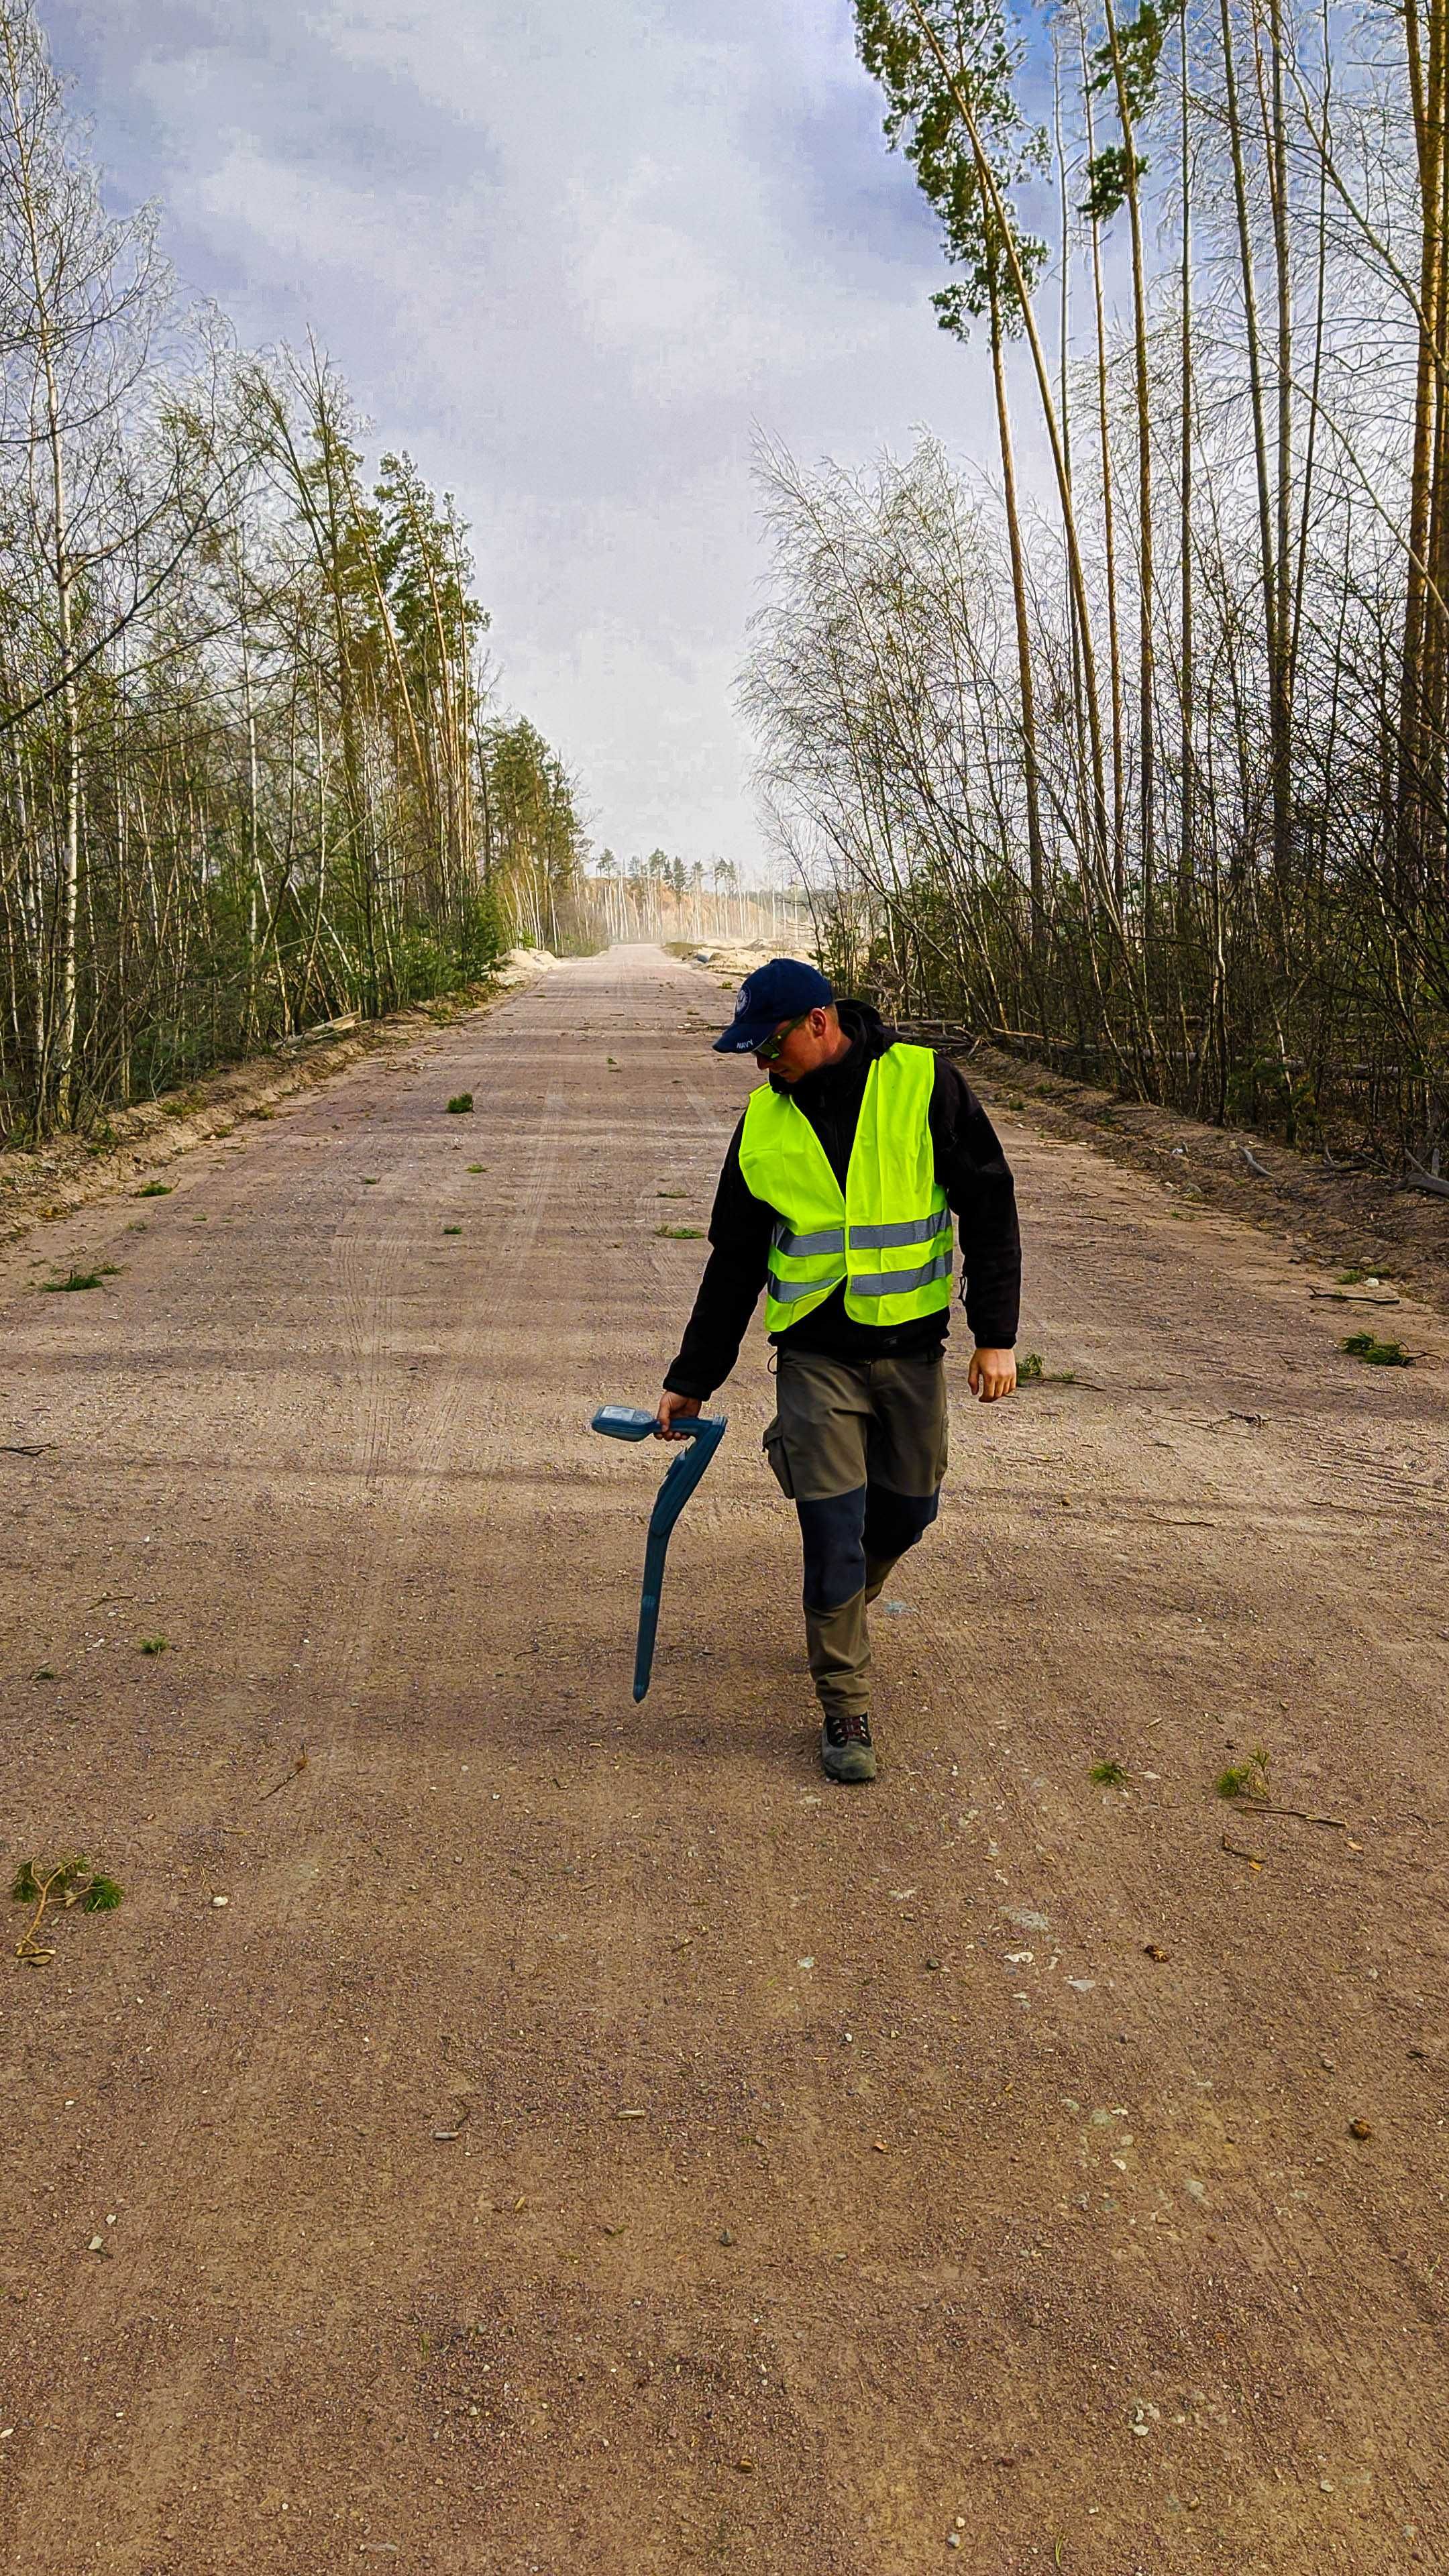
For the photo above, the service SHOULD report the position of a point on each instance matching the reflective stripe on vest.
(899, 1283)
(832, 1239)
(892, 1202)
(914, 1230)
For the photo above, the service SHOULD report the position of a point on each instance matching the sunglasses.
(767, 1053)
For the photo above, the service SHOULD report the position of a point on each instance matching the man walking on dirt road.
(836, 1198)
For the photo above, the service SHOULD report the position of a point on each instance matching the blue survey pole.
(703, 1432)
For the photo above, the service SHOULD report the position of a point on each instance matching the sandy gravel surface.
(582, 2138)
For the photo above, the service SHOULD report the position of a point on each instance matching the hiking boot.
(846, 1751)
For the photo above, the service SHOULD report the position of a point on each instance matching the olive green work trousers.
(860, 1449)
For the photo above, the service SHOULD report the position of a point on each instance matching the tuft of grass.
(1377, 1354)
(1245, 1779)
(452, 1229)
(155, 1645)
(1032, 1370)
(477, 1167)
(155, 1190)
(681, 1233)
(79, 1279)
(460, 1104)
(1107, 1775)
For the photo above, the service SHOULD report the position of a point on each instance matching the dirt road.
(581, 2138)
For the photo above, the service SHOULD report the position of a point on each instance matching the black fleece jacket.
(971, 1169)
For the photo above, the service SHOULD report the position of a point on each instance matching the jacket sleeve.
(976, 1177)
(739, 1233)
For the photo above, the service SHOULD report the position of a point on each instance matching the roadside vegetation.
(1135, 759)
(252, 772)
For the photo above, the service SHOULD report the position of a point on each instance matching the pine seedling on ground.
(1366, 1346)
(64, 1883)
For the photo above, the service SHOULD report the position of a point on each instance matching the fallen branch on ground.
(299, 1765)
(1255, 1807)
(72, 1882)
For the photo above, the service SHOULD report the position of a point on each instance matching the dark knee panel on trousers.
(833, 1534)
(894, 1522)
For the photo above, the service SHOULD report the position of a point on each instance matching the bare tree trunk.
(1023, 627)
(1185, 451)
(1000, 216)
(1427, 81)
(62, 1063)
(1064, 364)
(57, 1052)
(1250, 324)
(1281, 680)
(1109, 540)
(1433, 681)
(1146, 679)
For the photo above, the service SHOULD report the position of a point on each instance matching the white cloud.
(569, 252)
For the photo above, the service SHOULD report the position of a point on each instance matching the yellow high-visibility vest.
(887, 1235)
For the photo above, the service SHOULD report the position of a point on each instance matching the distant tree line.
(1146, 768)
(251, 775)
(663, 898)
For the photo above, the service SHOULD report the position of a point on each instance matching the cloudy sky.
(569, 253)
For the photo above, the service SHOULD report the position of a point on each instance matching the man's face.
(804, 1045)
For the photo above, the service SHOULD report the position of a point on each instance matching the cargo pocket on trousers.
(773, 1445)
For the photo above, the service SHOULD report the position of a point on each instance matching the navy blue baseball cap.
(785, 989)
